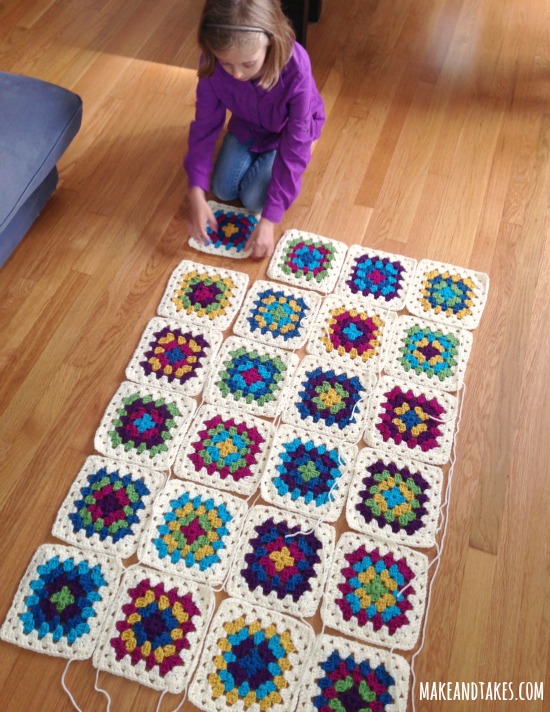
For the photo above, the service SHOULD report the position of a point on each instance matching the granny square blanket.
(235, 227)
(225, 449)
(193, 532)
(304, 259)
(174, 355)
(395, 498)
(417, 421)
(203, 294)
(62, 601)
(282, 561)
(448, 294)
(376, 591)
(353, 432)
(144, 425)
(346, 675)
(107, 506)
(250, 376)
(308, 472)
(329, 397)
(252, 660)
(429, 353)
(350, 332)
(154, 629)
(378, 277)
(277, 315)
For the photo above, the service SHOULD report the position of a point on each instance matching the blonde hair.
(229, 23)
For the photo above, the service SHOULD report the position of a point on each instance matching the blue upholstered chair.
(38, 120)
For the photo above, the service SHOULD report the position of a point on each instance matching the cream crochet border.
(191, 387)
(221, 321)
(127, 546)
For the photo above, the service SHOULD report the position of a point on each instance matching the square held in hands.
(235, 227)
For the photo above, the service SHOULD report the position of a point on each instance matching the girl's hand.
(201, 216)
(262, 239)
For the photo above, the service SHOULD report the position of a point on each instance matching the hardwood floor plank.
(473, 612)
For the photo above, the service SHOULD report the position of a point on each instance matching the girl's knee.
(252, 200)
(255, 184)
(222, 188)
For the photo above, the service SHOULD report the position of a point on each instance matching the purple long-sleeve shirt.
(289, 117)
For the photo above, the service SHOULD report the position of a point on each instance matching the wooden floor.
(437, 145)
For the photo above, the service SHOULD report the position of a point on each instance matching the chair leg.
(297, 12)
(315, 7)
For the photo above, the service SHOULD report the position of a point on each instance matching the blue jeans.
(239, 173)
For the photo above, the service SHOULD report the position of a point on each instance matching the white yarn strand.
(103, 692)
(65, 687)
(439, 548)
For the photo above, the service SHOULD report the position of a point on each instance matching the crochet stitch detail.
(277, 315)
(394, 498)
(282, 561)
(252, 659)
(154, 629)
(345, 675)
(61, 601)
(192, 532)
(307, 260)
(235, 226)
(429, 353)
(376, 591)
(203, 295)
(308, 473)
(107, 506)
(251, 377)
(411, 419)
(448, 294)
(144, 425)
(350, 333)
(174, 355)
(330, 399)
(224, 450)
(376, 277)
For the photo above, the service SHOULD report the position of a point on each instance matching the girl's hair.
(219, 30)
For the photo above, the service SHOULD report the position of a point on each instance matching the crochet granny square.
(405, 418)
(203, 294)
(235, 226)
(281, 561)
(62, 601)
(448, 294)
(174, 355)
(144, 425)
(379, 277)
(107, 506)
(250, 376)
(277, 315)
(154, 630)
(252, 660)
(308, 472)
(193, 532)
(395, 498)
(224, 449)
(348, 332)
(329, 398)
(376, 591)
(345, 675)
(307, 260)
(429, 353)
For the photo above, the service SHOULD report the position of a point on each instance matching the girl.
(252, 66)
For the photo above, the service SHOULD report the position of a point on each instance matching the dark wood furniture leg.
(297, 12)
